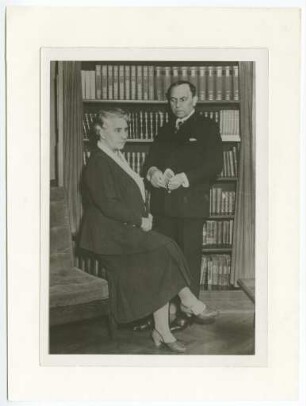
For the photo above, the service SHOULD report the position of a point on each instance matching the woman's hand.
(146, 223)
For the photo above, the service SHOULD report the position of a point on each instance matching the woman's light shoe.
(201, 313)
(174, 346)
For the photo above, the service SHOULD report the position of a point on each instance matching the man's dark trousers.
(188, 234)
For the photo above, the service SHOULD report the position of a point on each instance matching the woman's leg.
(190, 301)
(161, 321)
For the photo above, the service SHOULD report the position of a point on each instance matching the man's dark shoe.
(180, 322)
(143, 325)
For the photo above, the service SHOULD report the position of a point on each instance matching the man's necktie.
(178, 124)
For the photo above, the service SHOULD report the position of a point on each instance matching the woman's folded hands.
(146, 223)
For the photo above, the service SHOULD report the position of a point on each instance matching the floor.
(231, 334)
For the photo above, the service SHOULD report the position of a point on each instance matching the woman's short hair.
(101, 117)
(179, 83)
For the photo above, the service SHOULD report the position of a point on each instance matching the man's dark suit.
(196, 150)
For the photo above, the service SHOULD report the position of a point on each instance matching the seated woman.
(146, 269)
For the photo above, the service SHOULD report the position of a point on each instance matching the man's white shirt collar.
(182, 120)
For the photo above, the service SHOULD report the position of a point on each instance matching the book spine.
(151, 82)
(235, 83)
(231, 227)
(93, 85)
(214, 272)
(237, 123)
(127, 82)
(115, 82)
(228, 83)
(121, 82)
(202, 83)
(98, 82)
(204, 234)
(224, 171)
(110, 82)
(231, 161)
(136, 126)
(83, 79)
(203, 269)
(175, 74)
(209, 232)
(219, 83)
(158, 83)
(145, 83)
(130, 125)
(194, 77)
(133, 82)
(184, 73)
(151, 128)
(141, 133)
(146, 125)
(104, 81)
(235, 161)
(209, 274)
(210, 83)
(139, 83)
(167, 79)
(87, 84)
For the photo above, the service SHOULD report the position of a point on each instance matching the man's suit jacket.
(113, 210)
(196, 150)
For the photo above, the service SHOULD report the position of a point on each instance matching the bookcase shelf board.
(221, 216)
(162, 102)
(226, 179)
(216, 250)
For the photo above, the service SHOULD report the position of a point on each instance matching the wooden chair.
(74, 295)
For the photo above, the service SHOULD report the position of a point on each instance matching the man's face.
(115, 133)
(181, 101)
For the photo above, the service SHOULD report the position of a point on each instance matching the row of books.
(230, 163)
(229, 122)
(144, 124)
(148, 82)
(215, 271)
(222, 202)
(135, 160)
(218, 233)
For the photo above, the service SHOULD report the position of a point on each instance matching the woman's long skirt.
(142, 283)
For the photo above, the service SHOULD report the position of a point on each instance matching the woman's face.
(114, 133)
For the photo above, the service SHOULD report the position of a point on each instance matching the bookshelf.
(139, 88)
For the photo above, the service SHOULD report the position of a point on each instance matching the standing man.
(185, 158)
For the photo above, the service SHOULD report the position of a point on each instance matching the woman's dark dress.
(145, 269)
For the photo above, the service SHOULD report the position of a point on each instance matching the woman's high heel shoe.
(206, 316)
(174, 346)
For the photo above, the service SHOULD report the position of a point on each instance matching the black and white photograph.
(153, 240)
(152, 207)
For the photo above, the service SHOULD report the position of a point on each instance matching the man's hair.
(179, 83)
(101, 117)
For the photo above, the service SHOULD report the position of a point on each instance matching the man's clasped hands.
(168, 180)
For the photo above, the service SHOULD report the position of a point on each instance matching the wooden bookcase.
(144, 99)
